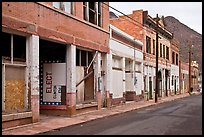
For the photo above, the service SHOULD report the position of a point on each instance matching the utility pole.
(190, 68)
(157, 82)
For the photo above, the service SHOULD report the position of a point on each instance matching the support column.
(108, 78)
(71, 79)
(98, 80)
(34, 76)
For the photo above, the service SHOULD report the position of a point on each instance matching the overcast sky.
(188, 13)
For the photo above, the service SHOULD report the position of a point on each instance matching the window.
(164, 51)
(172, 80)
(176, 59)
(173, 58)
(14, 48)
(154, 47)
(167, 53)
(93, 12)
(160, 50)
(68, 7)
(148, 44)
(14, 73)
(83, 58)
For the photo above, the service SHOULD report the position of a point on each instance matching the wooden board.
(14, 95)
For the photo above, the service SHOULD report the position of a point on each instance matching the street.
(179, 117)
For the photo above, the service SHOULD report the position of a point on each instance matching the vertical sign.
(54, 77)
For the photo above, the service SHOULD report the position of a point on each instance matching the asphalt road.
(178, 117)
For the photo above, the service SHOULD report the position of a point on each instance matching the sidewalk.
(48, 123)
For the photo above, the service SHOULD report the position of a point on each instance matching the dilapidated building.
(53, 60)
(144, 29)
(126, 67)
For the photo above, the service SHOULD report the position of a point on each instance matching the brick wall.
(45, 17)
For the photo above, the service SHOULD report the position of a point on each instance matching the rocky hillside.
(185, 36)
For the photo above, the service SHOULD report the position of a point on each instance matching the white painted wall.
(121, 50)
(125, 51)
(175, 72)
(117, 83)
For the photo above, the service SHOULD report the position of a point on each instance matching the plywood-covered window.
(14, 97)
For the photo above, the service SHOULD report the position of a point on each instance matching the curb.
(115, 110)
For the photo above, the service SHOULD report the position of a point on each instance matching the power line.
(141, 25)
(122, 13)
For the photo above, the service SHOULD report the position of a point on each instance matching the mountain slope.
(185, 36)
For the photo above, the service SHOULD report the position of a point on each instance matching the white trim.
(117, 30)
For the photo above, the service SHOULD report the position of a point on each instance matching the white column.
(71, 75)
(108, 77)
(34, 76)
(97, 79)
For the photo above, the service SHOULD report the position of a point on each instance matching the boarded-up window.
(14, 88)
(13, 73)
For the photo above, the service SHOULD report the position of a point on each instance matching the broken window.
(68, 7)
(14, 47)
(93, 12)
(14, 81)
(83, 58)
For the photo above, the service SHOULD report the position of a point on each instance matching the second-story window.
(167, 53)
(68, 7)
(173, 57)
(153, 47)
(164, 47)
(176, 59)
(148, 44)
(160, 50)
(93, 12)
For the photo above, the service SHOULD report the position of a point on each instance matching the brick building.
(174, 73)
(52, 59)
(194, 76)
(126, 67)
(184, 77)
(144, 29)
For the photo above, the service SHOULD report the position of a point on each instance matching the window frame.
(148, 44)
(97, 11)
(17, 64)
(154, 45)
(63, 7)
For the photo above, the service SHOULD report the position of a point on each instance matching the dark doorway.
(160, 83)
(150, 88)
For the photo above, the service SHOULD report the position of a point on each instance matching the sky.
(188, 13)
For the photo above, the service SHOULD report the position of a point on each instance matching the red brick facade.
(42, 19)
